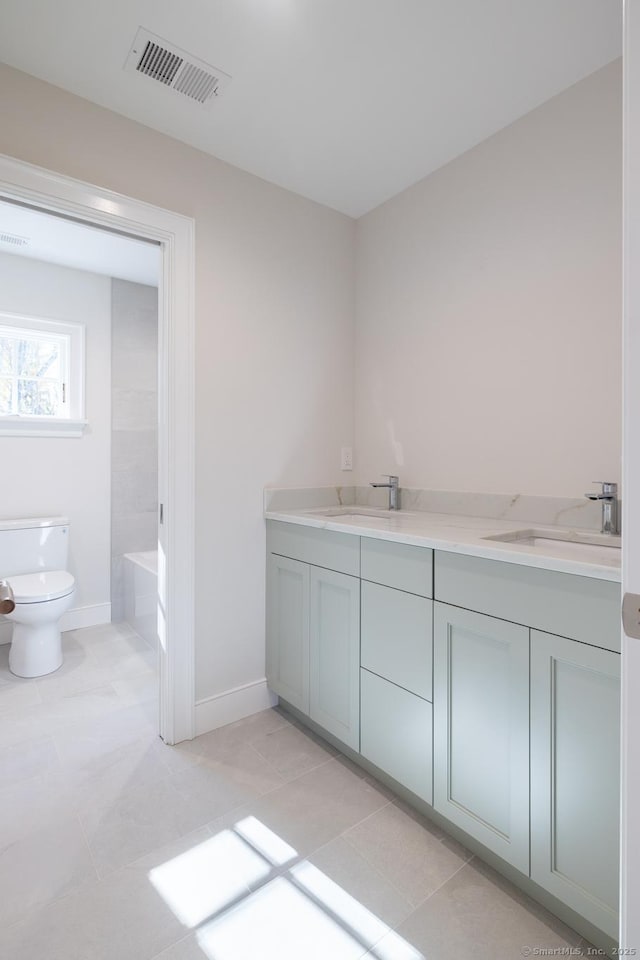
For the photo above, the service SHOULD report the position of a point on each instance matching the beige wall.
(488, 336)
(274, 368)
(64, 476)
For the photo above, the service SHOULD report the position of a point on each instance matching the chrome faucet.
(392, 487)
(609, 497)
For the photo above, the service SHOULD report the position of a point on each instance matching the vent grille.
(159, 64)
(14, 240)
(174, 68)
(196, 83)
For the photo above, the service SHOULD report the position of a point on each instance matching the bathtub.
(140, 580)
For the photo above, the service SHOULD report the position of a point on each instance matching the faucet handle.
(609, 489)
(390, 477)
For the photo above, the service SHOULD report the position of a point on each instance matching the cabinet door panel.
(396, 732)
(288, 630)
(334, 695)
(575, 736)
(481, 729)
(397, 637)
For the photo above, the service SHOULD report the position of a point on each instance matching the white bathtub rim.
(147, 559)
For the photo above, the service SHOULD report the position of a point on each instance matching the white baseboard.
(93, 616)
(223, 708)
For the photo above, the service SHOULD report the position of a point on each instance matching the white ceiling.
(74, 245)
(343, 101)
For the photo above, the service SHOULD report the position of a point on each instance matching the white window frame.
(74, 422)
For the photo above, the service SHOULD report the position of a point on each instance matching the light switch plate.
(346, 458)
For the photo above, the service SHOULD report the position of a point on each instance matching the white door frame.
(630, 725)
(176, 324)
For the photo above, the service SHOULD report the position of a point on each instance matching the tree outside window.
(32, 374)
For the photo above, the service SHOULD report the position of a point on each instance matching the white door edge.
(175, 233)
(630, 708)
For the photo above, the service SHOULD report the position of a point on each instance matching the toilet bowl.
(33, 555)
(41, 599)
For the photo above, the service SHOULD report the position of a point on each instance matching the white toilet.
(33, 558)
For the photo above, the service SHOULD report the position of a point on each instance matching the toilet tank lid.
(27, 523)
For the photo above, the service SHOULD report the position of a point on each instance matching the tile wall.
(134, 441)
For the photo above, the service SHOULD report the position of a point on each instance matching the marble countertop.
(462, 534)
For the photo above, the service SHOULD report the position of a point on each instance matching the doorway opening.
(96, 211)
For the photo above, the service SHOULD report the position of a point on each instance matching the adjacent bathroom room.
(79, 407)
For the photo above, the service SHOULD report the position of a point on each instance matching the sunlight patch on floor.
(272, 847)
(302, 913)
(279, 922)
(201, 882)
(338, 903)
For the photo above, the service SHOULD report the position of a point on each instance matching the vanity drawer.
(396, 733)
(581, 608)
(396, 637)
(399, 565)
(323, 548)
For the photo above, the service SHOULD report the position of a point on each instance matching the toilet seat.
(41, 587)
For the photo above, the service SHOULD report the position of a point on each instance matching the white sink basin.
(347, 514)
(589, 546)
(353, 516)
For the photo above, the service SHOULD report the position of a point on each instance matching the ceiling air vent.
(14, 240)
(175, 68)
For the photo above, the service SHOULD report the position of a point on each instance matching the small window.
(41, 377)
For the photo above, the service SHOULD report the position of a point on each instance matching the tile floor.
(254, 842)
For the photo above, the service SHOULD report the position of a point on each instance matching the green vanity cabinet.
(288, 584)
(575, 774)
(490, 690)
(334, 660)
(481, 729)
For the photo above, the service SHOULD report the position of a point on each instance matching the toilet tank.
(30, 545)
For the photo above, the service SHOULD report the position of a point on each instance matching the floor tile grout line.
(269, 764)
(394, 928)
(443, 884)
(342, 835)
(131, 864)
(372, 865)
(384, 875)
(266, 793)
(398, 803)
(204, 826)
(323, 763)
(58, 899)
(231, 811)
(86, 840)
(175, 943)
(374, 868)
